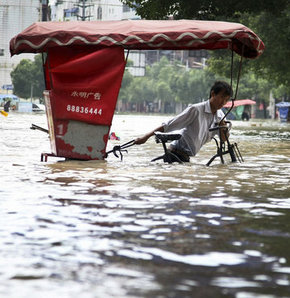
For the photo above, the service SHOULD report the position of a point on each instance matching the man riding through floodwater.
(194, 123)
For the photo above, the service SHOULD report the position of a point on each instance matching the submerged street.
(141, 229)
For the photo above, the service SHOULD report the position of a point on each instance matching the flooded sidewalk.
(134, 228)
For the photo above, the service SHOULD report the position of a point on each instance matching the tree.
(274, 30)
(38, 77)
(203, 9)
(269, 19)
(126, 81)
(140, 91)
(255, 88)
(27, 77)
(281, 93)
(166, 83)
(273, 64)
(22, 78)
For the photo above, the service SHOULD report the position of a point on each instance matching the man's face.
(221, 99)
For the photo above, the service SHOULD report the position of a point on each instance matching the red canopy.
(240, 102)
(139, 34)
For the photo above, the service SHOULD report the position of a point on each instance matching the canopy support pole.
(238, 80)
(127, 55)
(48, 70)
(43, 68)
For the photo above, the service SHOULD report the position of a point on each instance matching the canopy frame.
(237, 85)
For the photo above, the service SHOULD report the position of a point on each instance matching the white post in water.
(31, 92)
(271, 106)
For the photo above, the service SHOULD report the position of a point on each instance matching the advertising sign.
(83, 90)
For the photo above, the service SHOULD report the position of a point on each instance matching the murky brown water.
(141, 229)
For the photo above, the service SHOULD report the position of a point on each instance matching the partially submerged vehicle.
(84, 64)
(38, 108)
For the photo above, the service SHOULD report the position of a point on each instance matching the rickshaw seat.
(163, 137)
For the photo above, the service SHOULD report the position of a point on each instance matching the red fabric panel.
(85, 83)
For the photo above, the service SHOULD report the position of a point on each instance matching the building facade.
(90, 10)
(15, 15)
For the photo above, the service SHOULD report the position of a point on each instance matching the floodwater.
(133, 228)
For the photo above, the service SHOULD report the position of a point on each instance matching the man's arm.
(144, 139)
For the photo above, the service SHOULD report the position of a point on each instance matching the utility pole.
(82, 4)
(44, 10)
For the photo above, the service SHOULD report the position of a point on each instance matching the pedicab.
(84, 63)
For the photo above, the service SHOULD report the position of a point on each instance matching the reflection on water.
(141, 229)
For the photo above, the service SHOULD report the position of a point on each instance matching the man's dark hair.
(221, 86)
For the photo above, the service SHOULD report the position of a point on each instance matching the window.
(99, 14)
(71, 12)
(198, 53)
(126, 8)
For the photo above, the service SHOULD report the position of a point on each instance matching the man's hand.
(224, 132)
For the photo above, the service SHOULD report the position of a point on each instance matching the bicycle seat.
(163, 137)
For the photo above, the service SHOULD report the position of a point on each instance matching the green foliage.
(140, 90)
(281, 93)
(252, 87)
(22, 78)
(27, 74)
(194, 85)
(272, 65)
(203, 9)
(274, 30)
(168, 83)
(127, 79)
(269, 19)
(172, 82)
